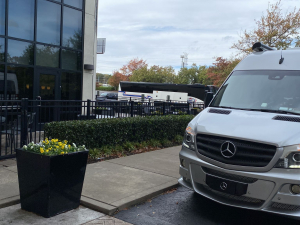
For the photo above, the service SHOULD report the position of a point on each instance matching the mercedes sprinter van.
(243, 149)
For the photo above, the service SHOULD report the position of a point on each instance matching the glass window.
(71, 86)
(21, 19)
(48, 22)
(2, 49)
(1, 82)
(72, 28)
(20, 52)
(47, 56)
(71, 60)
(2, 17)
(74, 3)
(19, 82)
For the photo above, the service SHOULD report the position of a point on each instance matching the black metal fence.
(22, 121)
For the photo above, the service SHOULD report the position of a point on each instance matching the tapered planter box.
(50, 185)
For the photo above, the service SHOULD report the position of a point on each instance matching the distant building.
(48, 49)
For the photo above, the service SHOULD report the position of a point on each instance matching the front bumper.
(267, 191)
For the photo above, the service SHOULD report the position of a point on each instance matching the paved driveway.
(185, 207)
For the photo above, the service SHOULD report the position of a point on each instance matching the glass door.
(48, 94)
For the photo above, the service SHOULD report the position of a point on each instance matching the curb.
(128, 201)
(9, 201)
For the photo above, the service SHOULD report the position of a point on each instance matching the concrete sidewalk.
(111, 185)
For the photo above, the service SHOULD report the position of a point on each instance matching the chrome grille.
(247, 153)
(228, 176)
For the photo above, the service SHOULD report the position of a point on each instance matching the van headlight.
(290, 158)
(189, 138)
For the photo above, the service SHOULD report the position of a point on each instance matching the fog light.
(182, 163)
(296, 157)
(295, 189)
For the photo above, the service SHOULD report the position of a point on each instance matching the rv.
(141, 91)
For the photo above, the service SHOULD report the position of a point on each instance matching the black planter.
(50, 185)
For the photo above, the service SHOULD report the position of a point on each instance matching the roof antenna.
(281, 59)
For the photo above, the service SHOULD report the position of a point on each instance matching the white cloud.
(159, 31)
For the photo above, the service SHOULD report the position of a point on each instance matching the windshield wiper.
(275, 111)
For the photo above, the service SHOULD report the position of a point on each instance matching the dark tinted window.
(20, 52)
(20, 82)
(71, 60)
(48, 22)
(47, 56)
(2, 17)
(1, 82)
(74, 3)
(2, 49)
(72, 28)
(21, 19)
(70, 86)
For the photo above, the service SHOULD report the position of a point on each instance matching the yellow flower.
(69, 146)
(47, 150)
(63, 147)
(62, 153)
(42, 150)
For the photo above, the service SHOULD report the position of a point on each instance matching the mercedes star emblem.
(228, 149)
(223, 186)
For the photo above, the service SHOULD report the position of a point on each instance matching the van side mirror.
(209, 96)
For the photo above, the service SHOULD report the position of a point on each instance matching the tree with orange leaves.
(133, 65)
(115, 79)
(221, 69)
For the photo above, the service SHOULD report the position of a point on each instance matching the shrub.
(166, 143)
(178, 139)
(100, 132)
(101, 88)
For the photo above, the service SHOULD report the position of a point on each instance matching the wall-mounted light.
(43, 87)
(27, 86)
(48, 88)
(88, 67)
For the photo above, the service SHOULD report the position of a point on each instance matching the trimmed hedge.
(101, 88)
(117, 131)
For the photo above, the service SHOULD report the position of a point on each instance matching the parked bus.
(162, 91)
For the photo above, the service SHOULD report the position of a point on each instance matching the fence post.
(24, 122)
(131, 108)
(188, 106)
(164, 108)
(88, 110)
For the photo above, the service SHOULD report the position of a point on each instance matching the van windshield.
(266, 91)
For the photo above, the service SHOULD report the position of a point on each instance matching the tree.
(115, 79)
(192, 75)
(156, 74)
(274, 29)
(133, 65)
(221, 69)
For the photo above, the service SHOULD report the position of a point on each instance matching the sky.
(160, 31)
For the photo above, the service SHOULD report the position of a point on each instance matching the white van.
(243, 150)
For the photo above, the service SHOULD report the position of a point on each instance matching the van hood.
(248, 125)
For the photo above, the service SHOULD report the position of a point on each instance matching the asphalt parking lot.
(183, 206)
